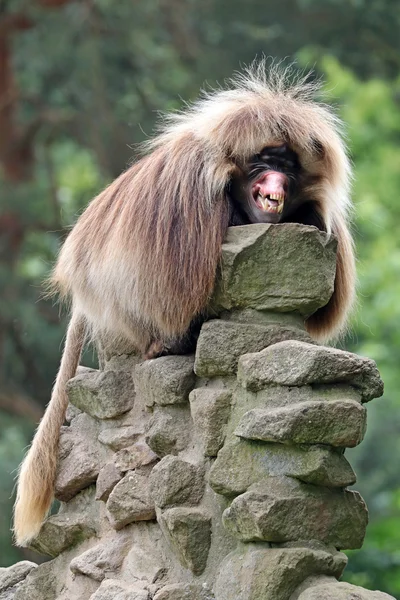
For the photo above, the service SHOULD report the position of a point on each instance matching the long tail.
(38, 470)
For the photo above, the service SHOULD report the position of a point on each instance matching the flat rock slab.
(101, 560)
(132, 457)
(240, 464)
(39, 583)
(175, 481)
(79, 457)
(102, 394)
(190, 532)
(169, 430)
(280, 509)
(108, 478)
(258, 573)
(117, 438)
(62, 531)
(130, 501)
(112, 589)
(221, 343)
(340, 423)
(210, 410)
(284, 268)
(11, 576)
(342, 591)
(298, 363)
(165, 380)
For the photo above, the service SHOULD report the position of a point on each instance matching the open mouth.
(269, 192)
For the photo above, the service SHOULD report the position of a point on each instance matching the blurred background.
(81, 82)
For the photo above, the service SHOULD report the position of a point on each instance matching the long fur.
(140, 263)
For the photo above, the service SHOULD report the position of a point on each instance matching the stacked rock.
(219, 476)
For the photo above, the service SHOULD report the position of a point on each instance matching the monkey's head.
(268, 188)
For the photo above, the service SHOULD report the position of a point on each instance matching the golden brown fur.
(140, 263)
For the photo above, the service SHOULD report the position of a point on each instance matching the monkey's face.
(267, 188)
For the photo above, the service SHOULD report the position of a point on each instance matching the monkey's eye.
(280, 156)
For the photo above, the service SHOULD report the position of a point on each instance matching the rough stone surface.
(105, 558)
(121, 437)
(184, 591)
(137, 455)
(130, 501)
(40, 583)
(169, 432)
(79, 458)
(240, 464)
(221, 343)
(166, 380)
(108, 478)
(210, 410)
(248, 280)
(280, 509)
(257, 573)
(178, 528)
(190, 533)
(62, 531)
(338, 423)
(102, 394)
(299, 363)
(341, 591)
(175, 481)
(11, 576)
(112, 589)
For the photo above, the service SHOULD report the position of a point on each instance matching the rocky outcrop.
(219, 476)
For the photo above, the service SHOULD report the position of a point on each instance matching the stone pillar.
(219, 476)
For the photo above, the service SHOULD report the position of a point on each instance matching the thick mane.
(160, 225)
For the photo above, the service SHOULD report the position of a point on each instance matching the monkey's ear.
(178, 222)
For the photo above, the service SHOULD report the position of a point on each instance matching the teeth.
(264, 201)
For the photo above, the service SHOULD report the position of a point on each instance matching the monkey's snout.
(269, 191)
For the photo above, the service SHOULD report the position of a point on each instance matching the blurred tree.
(80, 85)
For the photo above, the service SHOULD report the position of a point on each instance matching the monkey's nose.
(272, 183)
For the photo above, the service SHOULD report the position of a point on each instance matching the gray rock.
(342, 591)
(105, 558)
(10, 576)
(145, 561)
(79, 458)
(117, 438)
(62, 531)
(102, 394)
(40, 583)
(137, 455)
(272, 574)
(240, 464)
(166, 380)
(184, 591)
(169, 430)
(108, 478)
(280, 509)
(221, 343)
(130, 501)
(285, 268)
(111, 589)
(337, 423)
(190, 533)
(72, 412)
(299, 363)
(210, 411)
(176, 481)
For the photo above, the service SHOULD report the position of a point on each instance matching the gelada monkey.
(140, 263)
